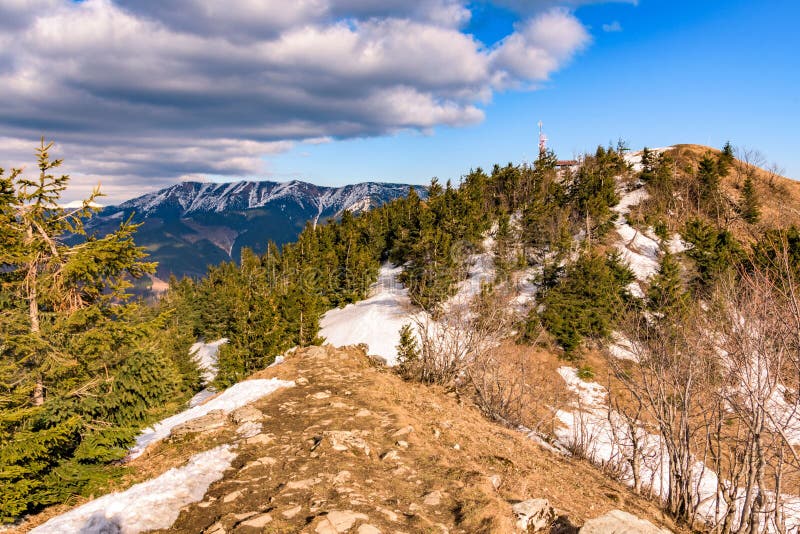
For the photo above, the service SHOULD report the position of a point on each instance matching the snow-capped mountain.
(191, 225)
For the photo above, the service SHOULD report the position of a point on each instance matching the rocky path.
(352, 448)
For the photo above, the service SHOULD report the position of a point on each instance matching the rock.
(321, 395)
(402, 444)
(260, 439)
(619, 522)
(457, 447)
(390, 456)
(291, 512)
(342, 477)
(433, 498)
(210, 421)
(301, 484)
(302, 381)
(232, 496)
(495, 480)
(264, 461)
(249, 429)
(363, 412)
(258, 521)
(342, 440)
(367, 529)
(247, 414)
(338, 521)
(534, 515)
(403, 431)
(391, 516)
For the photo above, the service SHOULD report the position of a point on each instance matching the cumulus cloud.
(140, 93)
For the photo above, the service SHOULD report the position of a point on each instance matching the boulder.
(338, 521)
(619, 522)
(247, 414)
(534, 515)
(211, 421)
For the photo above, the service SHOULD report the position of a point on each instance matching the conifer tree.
(749, 204)
(709, 178)
(666, 293)
(586, 300)
(75, 378)
(648, 165)
(713, 251)
(725, 159)
(407, 351)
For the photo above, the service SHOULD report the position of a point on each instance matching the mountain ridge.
(190, 225)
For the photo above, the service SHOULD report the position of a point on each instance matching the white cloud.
(147, 91)
(613, 27)
(537, 48)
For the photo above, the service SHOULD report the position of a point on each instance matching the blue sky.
(677, 72)
(141, 94)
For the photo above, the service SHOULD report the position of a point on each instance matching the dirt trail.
(352, 448)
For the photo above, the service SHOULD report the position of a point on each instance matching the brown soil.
(452, 450)
(352, 436)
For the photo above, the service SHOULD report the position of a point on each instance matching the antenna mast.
(542, 140)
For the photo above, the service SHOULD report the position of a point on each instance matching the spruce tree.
(666, 293)
(749, 204)
(407, 352)
(74, 387)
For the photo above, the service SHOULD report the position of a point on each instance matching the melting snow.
(375, 321)
(622, 348)
(206, 356)
(639, 251)
(229, 400)
(606, 439)
(154, 504)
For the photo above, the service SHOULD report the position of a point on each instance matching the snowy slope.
(196, 197)
(605, 438)
(375, 321)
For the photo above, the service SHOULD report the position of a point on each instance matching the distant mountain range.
(191, 225)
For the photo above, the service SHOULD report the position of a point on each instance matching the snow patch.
(229, 400)
(206, 356)
(151, 505)
(622, 348)
(606, 439)
(375, 321)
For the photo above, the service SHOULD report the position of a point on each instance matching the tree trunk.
(38, 393)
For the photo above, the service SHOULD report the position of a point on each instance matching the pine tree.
(666, 293)
(648, 165)
(407, 351)
(713, 251)
(709, 179)
(725, 159)
(749, 204)
(67, 337)
(586, 300)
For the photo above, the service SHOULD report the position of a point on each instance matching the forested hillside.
(84, 368)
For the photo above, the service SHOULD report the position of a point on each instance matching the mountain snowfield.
(196, 197)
